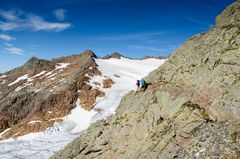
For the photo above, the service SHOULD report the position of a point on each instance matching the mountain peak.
(35, 64)
(116, 55)
(34, 58)
(35, 61)
(89, 53)
(113, 55)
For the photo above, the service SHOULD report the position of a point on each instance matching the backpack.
(143, 82)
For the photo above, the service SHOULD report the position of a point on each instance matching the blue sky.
(134, 28)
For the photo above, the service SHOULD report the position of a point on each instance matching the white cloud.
(148, 48)
(10, 49)
(6, 37)
(18, 20)
(37, 23)
(6, 26)
(9, 15)
(60, 14)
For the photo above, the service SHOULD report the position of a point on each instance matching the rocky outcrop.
(107, 83)
(209, 62)
(88, 98)
(48, 91)
(230, 16)
(191, 110)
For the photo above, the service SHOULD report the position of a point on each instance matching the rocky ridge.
(38, 94)
(113, 55)
(191, 110)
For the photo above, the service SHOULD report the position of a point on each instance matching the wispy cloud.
(60, 14)
(37, 23)
(197, 21)
(6, 26)
(19, 20)
(10, 49)
(6, 37)
(9, 15)
(139, 36)
(147, 48)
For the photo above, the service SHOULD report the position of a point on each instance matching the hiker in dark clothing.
(138, 85)
(142, 85)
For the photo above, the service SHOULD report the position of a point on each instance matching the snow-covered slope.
(124, 72)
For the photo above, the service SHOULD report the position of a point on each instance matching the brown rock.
(107, 83)
(88, 98)
(115, 75)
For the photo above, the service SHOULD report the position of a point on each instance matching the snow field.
(124, 72)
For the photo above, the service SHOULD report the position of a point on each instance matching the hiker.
(143, 85)
(138, 86)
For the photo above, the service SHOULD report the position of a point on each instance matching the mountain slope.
(42, 91)
(191, 110)
(74, 92)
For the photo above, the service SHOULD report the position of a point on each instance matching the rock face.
(36, 95)
(209, 63)
(191, 110)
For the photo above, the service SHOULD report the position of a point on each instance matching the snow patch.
(39, 74)
(58, 67)
(3, 82)
(49, 73)
(4, 132)
(34, 122)
(3, 76)
(80, 117)
(37, 90)
(24, 77)
(62, 65)
(52, 75)
(53, 119)
(199, 153)
(22, 86)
